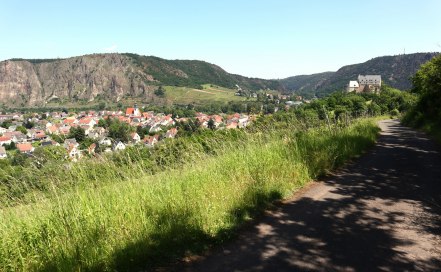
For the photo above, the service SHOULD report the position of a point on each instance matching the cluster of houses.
(160, 126)
(365, 84)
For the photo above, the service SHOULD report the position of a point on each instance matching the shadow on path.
(381, 213)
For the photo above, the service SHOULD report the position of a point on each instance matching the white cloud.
(111, 49)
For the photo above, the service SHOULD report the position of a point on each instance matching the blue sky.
(259, 38)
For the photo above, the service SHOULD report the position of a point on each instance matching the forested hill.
(109, 76)
(395, 71)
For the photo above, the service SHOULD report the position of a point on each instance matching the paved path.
(382, 213)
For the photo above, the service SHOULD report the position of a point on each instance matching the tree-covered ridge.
(36, 61)
(395, 71)
(194, 73)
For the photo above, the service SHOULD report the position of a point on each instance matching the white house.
(154, 129)
(70, 142)
(119, 146)
(73, 152)
(105, 141)
(352, 86)
(19, 137)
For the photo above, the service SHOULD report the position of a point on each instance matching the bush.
(394, 113)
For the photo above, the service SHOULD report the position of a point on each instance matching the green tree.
(78, 133)
(6, 124)
(160, 92)
(103, 123)
(102, 105)
(57, 138)
(22, 129)
(120, 130)
(87, 142)
(43, 155)
(374, 109)
(10, 146)
(427, 83)
(19, 159)
(269, 108)
(142, 131)
(211, 125)
(28, 124)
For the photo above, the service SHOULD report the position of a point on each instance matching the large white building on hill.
(365, 84)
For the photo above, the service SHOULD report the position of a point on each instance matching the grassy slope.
(176, 95)
(153, 219)
(209, 93)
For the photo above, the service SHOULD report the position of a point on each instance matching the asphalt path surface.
(380, 213)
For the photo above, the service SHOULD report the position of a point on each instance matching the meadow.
(208, 94)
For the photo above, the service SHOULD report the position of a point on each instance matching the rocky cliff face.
(27, 83)
(110, 77)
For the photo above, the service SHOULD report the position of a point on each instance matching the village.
(23, 133)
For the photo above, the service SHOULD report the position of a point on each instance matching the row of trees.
(427, 85)
(388, 101)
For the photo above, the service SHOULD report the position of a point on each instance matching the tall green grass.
(138, 223)
(33, 181)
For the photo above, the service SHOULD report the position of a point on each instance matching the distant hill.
(109, 77)
(395, 71)
(131, 77)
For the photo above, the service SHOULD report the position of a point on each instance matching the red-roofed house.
(134, 137)
(124, 119)
(70, 121)
(40, 135)
(232, 125)
(217, 119)
(64, 130)
(171, 133)
(167, 120)
(130, 111)
(133, 111)
(150, 141)
(5, 140)
(52, 130)
(148, 115)
(26, 148)
(87, 121)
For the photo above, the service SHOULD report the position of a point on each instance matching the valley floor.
(381, 213)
